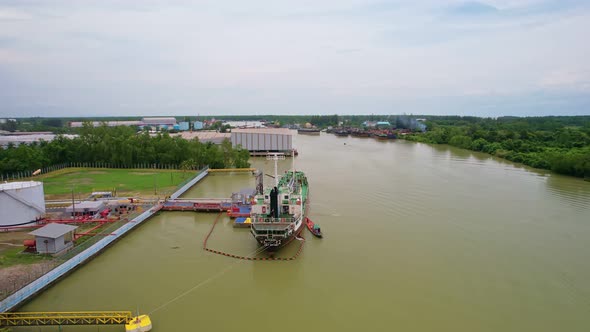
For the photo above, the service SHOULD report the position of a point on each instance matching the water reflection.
(572, 191)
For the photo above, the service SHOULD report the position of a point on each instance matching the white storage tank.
(21, 202)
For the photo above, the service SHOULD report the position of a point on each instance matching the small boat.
(313, 228)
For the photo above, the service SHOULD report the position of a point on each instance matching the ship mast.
(276, 157)
(293, 161)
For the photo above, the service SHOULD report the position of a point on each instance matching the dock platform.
(203, 205)
(65, 318)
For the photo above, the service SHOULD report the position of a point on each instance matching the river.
(417, 238)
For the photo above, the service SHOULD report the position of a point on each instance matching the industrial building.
(29, 138)
(21, 203)
(167, 121)
(80, 124)
(244, 124)
(183, 126)
(86, 208)
(163, 122)
(53, 238)
(198, 125)
(263, 140)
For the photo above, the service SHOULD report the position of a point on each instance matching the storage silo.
(21, 202)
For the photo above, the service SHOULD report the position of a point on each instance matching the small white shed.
(54, 238)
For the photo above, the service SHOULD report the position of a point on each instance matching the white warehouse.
(21, 202)
(263, 139)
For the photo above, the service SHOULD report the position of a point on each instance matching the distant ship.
(341, 132)
(308, 131)
(278, 212)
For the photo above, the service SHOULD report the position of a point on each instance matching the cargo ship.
(278, 212)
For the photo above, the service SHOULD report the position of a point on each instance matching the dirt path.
(15, 277)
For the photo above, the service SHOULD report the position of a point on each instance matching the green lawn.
(83, 181)
(14, 256)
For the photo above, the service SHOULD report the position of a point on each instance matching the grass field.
(123, 182)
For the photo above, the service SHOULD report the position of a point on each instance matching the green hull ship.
(278, 213)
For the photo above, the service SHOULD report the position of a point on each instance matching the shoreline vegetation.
(557, 143)
(560, 144)
(122, 147)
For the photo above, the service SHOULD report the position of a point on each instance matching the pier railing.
(276, 221)
(183, 187)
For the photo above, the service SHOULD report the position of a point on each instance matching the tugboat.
(278, 212)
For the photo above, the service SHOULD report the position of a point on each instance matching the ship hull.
(289, 200)
(282, 242)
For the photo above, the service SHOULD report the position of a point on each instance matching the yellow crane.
(140, 323)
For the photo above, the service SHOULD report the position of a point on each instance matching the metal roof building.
(13, 139)
(53, 238)
(80, 124)
(86, 207)
(165, 121)
(263, 139)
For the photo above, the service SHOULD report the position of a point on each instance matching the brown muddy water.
(417, 238)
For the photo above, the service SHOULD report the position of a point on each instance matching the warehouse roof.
(86, 205)
(166, 120)
(276, 131)
(53, 231)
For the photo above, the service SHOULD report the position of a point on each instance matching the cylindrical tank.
(21, 202)
(30, 243)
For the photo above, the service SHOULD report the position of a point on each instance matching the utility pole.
(73, 204)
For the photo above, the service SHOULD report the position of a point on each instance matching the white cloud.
(14, 14)
(244, 57)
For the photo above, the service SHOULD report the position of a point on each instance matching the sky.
(151, 57)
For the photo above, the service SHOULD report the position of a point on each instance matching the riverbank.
(559, 144)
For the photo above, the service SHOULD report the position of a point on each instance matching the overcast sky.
(106, 57)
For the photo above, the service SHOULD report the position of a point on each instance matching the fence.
(27, 174)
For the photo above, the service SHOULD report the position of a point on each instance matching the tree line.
(61, 125)
(124, 147)
(560, 144)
